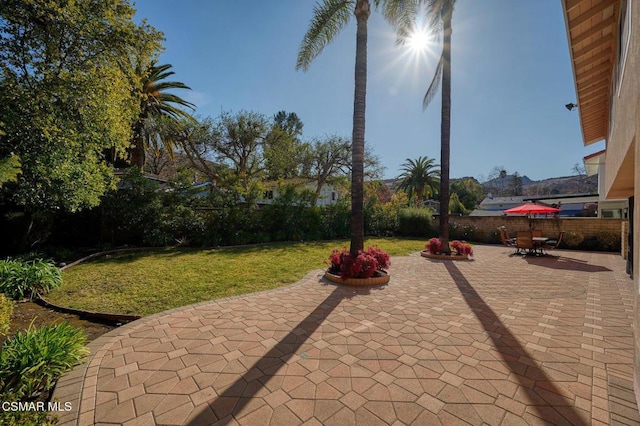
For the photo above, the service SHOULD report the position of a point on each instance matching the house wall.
(621, 153)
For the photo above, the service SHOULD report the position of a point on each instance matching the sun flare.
(419, 40)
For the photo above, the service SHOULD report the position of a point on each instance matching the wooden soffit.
(592, 30)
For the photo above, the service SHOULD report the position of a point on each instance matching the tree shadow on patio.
(546, 398)
(566, 263)
(234, 398)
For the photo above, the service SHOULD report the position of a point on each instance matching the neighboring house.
(570, 205)
(604, 43)
(612, 208)
(493, 206)
(328, 194)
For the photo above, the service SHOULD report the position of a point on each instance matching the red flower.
(364, 265)
(434, 246)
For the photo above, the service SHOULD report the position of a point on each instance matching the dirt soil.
(24, 313)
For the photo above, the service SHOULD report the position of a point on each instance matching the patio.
(500, 340)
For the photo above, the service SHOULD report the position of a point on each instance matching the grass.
(144, 283)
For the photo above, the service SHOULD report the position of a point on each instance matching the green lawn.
(147, 282)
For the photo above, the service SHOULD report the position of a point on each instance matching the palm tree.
(419, 177)
(439, 13)
(329, 17)
(156, 105)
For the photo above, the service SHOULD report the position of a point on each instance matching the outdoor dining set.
(532, 241)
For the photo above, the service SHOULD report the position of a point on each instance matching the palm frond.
(437, 12)
(329, 17)
(435, 84)
(401, 14)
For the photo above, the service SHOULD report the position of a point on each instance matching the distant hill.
(579, 184)
(563, 185)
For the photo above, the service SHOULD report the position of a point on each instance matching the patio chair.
(506, 241)
(524, 243)
(554, 244)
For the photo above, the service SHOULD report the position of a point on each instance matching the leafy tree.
(236, 144)
(283, 149)
(455, 205)
(9, 169)
(327, 159)
(439, 14)
(157, 104)
(419, 178)
(516, 184)
(65, 95)
(329, 17)
(468, 191)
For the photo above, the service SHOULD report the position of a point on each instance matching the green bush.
(461, 232)
(336, 220)
(608, 241)
(25, 418)
(34, 359)
(6, 310)
(21, 279)
(415, 221)
(380, 220)
(573, 239)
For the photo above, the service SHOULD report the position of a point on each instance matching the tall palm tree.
(329, 17)
(419, 177)
(156, 105)
(439, 13)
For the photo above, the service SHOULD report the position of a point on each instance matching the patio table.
(538, 244)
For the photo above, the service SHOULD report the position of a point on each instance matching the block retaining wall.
(485, 227)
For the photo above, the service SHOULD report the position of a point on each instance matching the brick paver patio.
(501, 340)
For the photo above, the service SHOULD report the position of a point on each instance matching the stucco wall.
(619, 179)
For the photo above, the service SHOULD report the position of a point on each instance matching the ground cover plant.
(21, 279)
(144, 283)
(32, 361)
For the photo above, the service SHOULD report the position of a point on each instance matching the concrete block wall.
(485, 228)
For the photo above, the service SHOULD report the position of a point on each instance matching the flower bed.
(366, 268)
(460, 250)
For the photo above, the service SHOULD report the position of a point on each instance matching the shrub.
(415, 221)
(464, 232)
(25, 418)
(573, 239)
(366, 264)
(6, 310)
(434, 246)
(608, 240)
(336, 220)
(32, 361)
(461, 248)
(21, 279)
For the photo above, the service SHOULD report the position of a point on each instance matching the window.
(623, 42)
(267, 195)
(333, 196)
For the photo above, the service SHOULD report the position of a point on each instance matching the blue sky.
(510, 81)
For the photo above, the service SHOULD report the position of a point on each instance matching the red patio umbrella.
(531, 208)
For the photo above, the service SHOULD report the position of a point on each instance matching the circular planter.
(382, 279)
(425, 253)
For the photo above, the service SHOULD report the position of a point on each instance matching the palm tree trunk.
(362, 12)
(445, 132)
(137, 148)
